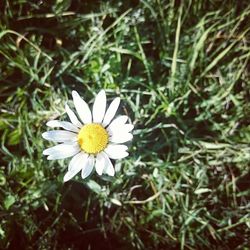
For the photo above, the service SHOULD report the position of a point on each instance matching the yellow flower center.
(93, 138)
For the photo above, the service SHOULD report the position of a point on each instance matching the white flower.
(93, 141)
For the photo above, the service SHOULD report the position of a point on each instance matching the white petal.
(77, 160)
(88, 167)
(124, 128)
(59, 136)
(68, 176)
(100, 163)
(121, 138)
(111, 111)
(116, 151)
(72, 116)
(66, 125)
(61, 151)
(76, 164)
(64, 147)
(82, 108)
(60, 156)
(128, 127)
(119, 121)
(99, 107)
(109, 168)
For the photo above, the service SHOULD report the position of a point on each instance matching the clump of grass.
(182, 71)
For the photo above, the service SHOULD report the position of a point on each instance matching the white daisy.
(93, 141)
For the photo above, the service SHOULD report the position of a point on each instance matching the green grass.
(182, 70)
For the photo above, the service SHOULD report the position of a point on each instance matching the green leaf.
(14, 137)
(9, 201)
(94, 186)
(115, 201)
(202, 190)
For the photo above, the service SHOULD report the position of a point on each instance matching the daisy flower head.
(92, 140)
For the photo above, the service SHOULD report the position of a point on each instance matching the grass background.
(182, 70)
